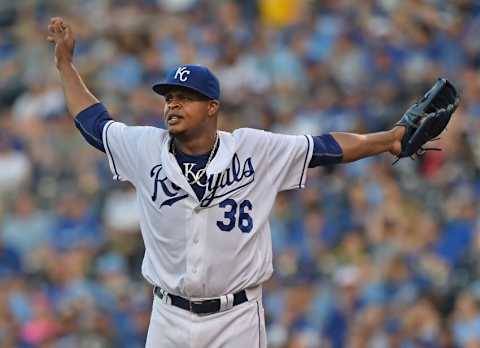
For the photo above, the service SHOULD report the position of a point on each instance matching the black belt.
(201, 307)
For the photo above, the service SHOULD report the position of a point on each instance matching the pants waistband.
(208, 306)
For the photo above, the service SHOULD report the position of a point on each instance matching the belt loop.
(164, 296)
(226, 302)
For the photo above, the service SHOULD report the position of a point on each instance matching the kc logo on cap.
(182, 73)
(196, 77)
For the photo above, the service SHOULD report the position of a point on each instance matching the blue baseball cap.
(196, 77)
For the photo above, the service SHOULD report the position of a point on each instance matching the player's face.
(185, 110)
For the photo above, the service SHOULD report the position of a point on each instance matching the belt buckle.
(191, 304)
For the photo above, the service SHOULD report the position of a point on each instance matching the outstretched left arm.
(357, 146)
(421, 123)
(339, 147)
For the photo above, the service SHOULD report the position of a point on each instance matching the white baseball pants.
(242, 326)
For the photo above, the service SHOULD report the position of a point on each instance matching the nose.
(173, 104)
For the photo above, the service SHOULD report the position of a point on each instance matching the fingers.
(51, 29)
(67, 27)
(58, 29)
(51, 34)
(68, 30)
(55, 29)
(56, 20)
(57, 26)
(54, 23)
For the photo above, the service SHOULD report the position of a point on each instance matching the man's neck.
(195, 146)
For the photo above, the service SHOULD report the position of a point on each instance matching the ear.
(213, 107)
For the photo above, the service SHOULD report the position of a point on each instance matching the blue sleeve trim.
(90, 123)
(326, 151)
(304, 162)
(110, 152)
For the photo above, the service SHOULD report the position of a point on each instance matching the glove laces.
(420, 152)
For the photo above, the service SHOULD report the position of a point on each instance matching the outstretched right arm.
(77, 95)
(89, 114)
(118, 141)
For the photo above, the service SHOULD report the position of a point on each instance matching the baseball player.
(204, 197)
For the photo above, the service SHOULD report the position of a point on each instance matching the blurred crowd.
(368, 255)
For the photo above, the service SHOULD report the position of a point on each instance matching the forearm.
(357, 146)
(77, 95)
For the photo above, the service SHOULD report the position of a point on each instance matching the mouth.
(173, 119)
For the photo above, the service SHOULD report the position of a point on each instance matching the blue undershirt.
(194, 163)
(90, 123)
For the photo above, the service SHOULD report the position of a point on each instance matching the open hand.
(61, 35)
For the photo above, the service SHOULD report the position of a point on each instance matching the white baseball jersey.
(221, 244)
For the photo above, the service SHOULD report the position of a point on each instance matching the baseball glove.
(427, 118)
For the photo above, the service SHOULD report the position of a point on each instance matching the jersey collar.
(172, 169)
(223, 157)
(221, 161)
